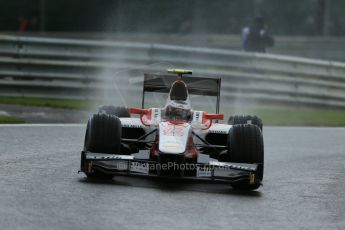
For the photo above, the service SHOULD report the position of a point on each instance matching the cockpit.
(178, 104)
(176, 113)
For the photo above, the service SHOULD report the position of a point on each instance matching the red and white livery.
(174, 141)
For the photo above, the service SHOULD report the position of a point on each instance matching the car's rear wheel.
(245, 145)
(103, 135)
(118, 111)
(245, 119)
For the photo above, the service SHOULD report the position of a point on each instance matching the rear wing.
(161, 83)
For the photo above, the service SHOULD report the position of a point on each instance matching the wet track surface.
(304, 187)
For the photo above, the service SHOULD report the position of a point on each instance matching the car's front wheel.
(103, 135)
(245, 145)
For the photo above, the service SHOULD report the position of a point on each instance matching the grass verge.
(11, 120)
(295, 116)
(271, 115)
(54, 103)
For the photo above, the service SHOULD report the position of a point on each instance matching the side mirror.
(139, 111)
(145, 114)
(214, 116)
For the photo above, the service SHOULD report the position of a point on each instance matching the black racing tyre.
(245, 119)
(103, 135)
(118, 111)
(245, 145)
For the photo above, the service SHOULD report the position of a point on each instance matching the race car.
(175, 141)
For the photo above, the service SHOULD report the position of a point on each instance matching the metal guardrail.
(87, 69)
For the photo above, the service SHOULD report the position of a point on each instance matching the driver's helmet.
(173, 112)
(178, 104)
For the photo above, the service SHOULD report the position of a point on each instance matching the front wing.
(128, 165)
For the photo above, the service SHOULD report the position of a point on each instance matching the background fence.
(88, 69)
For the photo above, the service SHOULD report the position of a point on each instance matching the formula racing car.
(175, 141)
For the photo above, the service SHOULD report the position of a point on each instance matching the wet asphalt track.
(304, 187)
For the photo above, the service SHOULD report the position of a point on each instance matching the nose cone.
(178, 91)
(173, 138)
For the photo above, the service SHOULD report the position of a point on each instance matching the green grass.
(305, 117)
(295, 116)
(10, 120)
(54, 103)
(271, 115)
